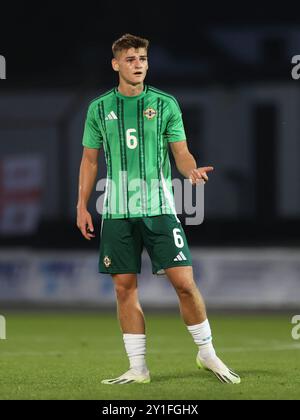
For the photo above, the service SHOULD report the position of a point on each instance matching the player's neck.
(130, 90)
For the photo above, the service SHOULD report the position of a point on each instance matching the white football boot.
(129, 377)
(216, 366)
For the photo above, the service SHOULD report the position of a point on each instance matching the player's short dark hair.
(129, 41)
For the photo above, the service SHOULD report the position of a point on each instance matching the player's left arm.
(186, 164)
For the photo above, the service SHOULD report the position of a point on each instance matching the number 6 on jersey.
(131, 140)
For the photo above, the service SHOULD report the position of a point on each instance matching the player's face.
(132, 65)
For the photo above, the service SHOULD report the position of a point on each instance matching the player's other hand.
(85, 223)
(200, 175)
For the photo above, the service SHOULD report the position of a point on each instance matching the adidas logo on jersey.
(180, 257)
(111, 116)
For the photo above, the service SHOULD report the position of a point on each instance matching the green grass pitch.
(64, 356)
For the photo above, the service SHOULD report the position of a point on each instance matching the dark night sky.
(46, 42)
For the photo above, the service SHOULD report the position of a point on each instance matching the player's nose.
(138, 64)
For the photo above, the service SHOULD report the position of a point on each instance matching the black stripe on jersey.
(109, 173)
(161, 138)
(162, 200)
(158, 155)
(160, 134)
(144, 162)
(141, 136)
(120, 110)
(102, 116)
(125, 157)
(107, 151)
(109, 163)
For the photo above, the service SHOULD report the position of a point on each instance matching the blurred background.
(231, 70)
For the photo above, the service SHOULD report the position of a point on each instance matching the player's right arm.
(185, 161)
(92, 142)
(87, 177)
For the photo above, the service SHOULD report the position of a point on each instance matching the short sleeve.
(175, 128)
(92, 136)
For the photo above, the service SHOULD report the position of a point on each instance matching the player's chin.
(138, 78)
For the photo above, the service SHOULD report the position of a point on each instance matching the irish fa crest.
(107, 261)
(150, 113)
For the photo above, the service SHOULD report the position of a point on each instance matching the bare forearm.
(87, 178)
(185, 164)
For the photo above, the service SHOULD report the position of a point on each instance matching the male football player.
(136, 124)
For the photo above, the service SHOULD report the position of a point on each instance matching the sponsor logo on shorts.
(180, 257)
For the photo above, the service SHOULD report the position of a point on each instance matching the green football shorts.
(122, 242)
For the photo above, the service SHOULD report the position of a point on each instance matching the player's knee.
(186, 289)
(124, 292)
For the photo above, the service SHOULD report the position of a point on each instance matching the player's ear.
(115, 64)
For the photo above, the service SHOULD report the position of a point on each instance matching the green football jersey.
(135, 132)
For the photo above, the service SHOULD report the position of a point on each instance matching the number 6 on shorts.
(179, 242)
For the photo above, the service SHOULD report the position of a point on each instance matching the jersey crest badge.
(107, 261)
(150, 113)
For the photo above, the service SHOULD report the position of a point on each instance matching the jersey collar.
(141, 95)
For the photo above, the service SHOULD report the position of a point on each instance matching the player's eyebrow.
(140, 56)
